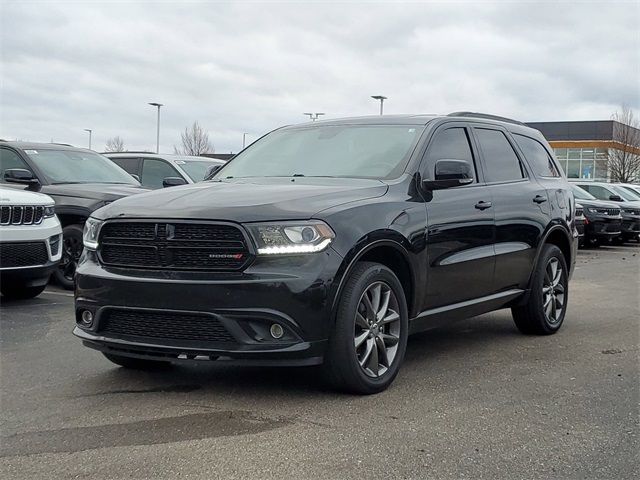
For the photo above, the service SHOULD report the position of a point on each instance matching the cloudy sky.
(239, 67)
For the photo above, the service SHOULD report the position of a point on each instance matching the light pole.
(155, 104)
(244, 140)
(382, 98)
(313, 116)
(89, 130)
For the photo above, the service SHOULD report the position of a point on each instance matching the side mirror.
(20, 175)
(173, 181)
(615, 198)
(211, 171)
(450, 173)
(137, 177)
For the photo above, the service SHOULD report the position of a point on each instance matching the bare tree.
(114, 144)
(624, 159)
(195, 141)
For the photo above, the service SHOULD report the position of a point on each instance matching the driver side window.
(452, 144)
(10, 159)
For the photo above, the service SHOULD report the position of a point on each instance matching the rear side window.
(131, 165)
(539, 159)
(597, 191)
(155, 171)
(450, 144)
(10, 159)
(501, 162)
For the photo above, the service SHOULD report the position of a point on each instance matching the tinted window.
(501, 161)
(154, 171)
(131, 165)
(196, 169)
(581, 194)
(77, 166)
(537, 156)
(597, 191)
(450, 144)
(10, 159)
(365, 151)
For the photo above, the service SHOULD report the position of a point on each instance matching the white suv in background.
(30, 242)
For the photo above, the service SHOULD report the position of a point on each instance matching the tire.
(544, 312)
(14, 292)
(136, 363)
(363, 369)
(72, 247)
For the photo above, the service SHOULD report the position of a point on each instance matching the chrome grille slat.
(21, 214)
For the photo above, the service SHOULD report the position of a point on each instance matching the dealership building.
(581, 147)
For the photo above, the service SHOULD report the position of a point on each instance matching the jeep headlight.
(91, 232)
(49, 211)
(291, 238)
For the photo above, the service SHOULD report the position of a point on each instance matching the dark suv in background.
(78, 180)
(330, 243)
(603, 221)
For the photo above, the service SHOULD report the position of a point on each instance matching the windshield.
(581, 194)
(364, 151)
(195, 169)
(627, 195)
(78, 166)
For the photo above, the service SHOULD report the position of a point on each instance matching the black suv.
(603, 221)
(78, 180)
(329, 243)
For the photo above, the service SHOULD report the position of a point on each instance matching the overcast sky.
(249, 67)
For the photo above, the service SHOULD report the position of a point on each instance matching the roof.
(40, 146)
(169, 157)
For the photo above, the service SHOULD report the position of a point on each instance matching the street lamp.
(313, 116)
(244, 140)
(154, 104)
(89, 130)
(382, 98)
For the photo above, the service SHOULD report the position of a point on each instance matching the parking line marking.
(59, 293)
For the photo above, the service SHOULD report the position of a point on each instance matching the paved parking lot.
(473, 400)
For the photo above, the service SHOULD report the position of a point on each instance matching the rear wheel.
(547, 305)
(136, 363)
(369, 339)
(71, 251)
(18, 292)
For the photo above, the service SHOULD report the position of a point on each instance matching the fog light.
(87, 318)
(276, 331)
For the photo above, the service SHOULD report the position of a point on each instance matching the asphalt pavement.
(475, 399)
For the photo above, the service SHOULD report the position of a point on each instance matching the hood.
(597, 203)
(246, 199)
(97, 191)
(14, 196)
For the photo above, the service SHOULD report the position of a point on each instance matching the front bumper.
(293, 292)
(604, 227)
(29, 276)
(630, 225)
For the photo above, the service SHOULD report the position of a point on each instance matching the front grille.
(21, 214)
(630, 211)
(174, 326)
(173, 246)
(608, 211)
(23, 254)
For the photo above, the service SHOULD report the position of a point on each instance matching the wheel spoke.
(389, 340)
(361, 321)
(391, 317)
(373, 364)
(382, 352)
(367, 352)
(382, 311)
(360, 339)
(559, 289)
(376, 293)
(371, 313)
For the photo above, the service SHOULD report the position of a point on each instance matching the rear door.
(520, 205)
(460, 232)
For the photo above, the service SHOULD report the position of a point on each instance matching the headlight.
(286, 238)
(91, 232)
(591, 210)
(49, 211)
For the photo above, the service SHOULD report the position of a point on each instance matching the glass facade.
(584, 163)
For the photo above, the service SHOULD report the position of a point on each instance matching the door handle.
(539, 199)
(482, 205)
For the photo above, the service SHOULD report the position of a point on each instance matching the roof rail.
(486, 116)
(134, 151)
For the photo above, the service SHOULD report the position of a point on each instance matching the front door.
(460, 234)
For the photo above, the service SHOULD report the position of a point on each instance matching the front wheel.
(71, 250)
(546, 308)
(369, 339)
